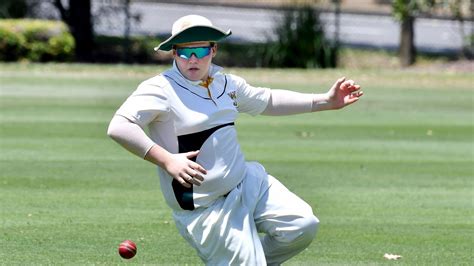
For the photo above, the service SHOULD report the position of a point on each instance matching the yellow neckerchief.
(206, 83)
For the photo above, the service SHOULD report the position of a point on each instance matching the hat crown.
(189, 21)
(192, 28)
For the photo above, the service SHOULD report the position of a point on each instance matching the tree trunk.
(126, 40)
(407, 42)
(80, 23)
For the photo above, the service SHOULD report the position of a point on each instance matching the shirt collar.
(213, 70)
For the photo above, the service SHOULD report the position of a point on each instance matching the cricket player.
(230, 210)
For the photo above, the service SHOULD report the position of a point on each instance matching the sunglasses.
(199, 52)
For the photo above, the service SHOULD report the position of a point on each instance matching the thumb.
(338, 83)
(191, 154)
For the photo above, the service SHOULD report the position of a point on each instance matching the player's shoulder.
(235, 79)
(156, 81)
(156, 84)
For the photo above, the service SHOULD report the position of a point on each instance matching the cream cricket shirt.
(182, 116)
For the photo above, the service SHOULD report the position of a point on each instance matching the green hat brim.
(194, 34)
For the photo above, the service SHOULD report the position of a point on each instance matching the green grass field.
(391, 174)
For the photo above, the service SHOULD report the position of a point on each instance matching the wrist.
(320, 102)
(159, 156)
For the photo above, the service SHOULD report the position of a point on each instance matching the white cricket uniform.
(222, 217)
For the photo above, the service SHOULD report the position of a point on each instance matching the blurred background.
(266, 33)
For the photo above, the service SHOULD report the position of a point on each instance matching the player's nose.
(193, 58)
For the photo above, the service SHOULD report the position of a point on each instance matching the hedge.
(112, 49)
(35, 40)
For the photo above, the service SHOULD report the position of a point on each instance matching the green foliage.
(12, 45)
(35, 40)
(402, 9)
(240, 54)
(114, 49)
(458, 9)
(301, 42)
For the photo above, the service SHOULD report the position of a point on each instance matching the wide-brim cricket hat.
(193, 28)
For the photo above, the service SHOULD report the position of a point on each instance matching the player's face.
(193, 59)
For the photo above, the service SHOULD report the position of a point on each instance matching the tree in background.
(456, 8)
(77, 15)
(301, 42)
(405, 11)
(13, 9)
(80, 19)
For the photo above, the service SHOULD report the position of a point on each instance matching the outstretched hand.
(342, 93)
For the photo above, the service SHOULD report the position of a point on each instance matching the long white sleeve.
(130, 135)
(285, 102)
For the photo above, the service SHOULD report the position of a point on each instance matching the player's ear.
(214, 49)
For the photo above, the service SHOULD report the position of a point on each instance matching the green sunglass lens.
(199, 52)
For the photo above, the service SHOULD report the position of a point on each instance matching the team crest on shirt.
(233, 96)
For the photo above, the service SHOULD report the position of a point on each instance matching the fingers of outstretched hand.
(357, 93)
(353, 97)
(354, 88)
(349, 85)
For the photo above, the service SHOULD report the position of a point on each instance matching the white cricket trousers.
(227, 232)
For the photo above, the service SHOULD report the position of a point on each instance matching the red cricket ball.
(127, 249)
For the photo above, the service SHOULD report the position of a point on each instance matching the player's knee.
(303, 232)
(308, 229)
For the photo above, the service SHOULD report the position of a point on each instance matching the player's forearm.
(158, 155)
(130, 136)
(321, 102)
(284, 102)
